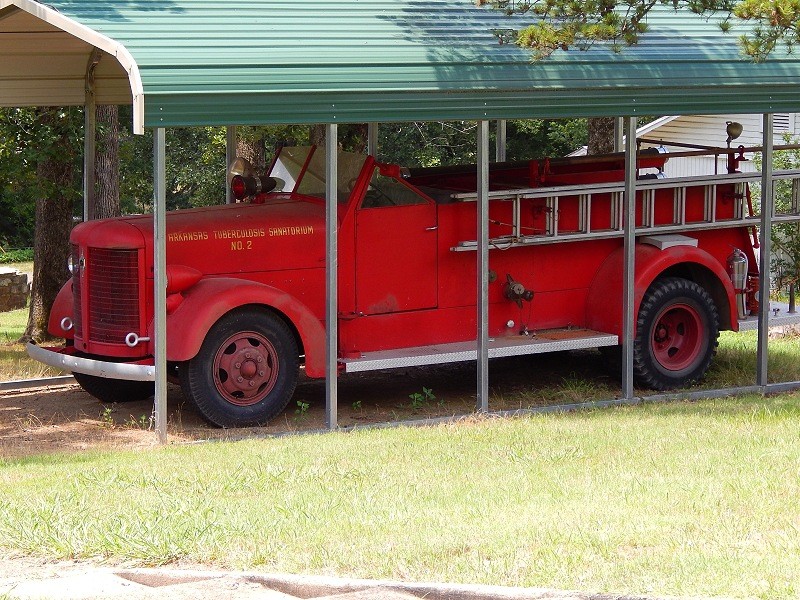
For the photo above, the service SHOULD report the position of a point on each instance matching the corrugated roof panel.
(261, 61)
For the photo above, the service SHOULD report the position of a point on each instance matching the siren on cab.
(244, 182)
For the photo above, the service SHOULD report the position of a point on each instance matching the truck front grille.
(76, 291)
(113, 288)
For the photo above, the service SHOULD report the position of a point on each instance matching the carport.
(193, 62)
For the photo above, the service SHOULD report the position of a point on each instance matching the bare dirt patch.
(67, 419)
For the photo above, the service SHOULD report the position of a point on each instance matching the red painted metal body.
(401, 282)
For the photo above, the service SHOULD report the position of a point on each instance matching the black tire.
(676, 334)
(115, 390)
(246, 371)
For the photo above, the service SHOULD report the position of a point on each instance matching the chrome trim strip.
(90, 366)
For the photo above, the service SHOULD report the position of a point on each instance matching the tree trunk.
(316, 135)
(358, 137)
(106, 199)
(253, 151)
(601, 135)
(55, 171)
(352, 137)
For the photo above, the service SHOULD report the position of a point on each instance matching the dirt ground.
(67, 419)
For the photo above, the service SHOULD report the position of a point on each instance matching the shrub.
(16, 256)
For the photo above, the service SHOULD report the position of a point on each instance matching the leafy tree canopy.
(432, 144)
(25, 140)
(561, 24)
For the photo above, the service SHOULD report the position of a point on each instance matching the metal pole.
(331, 276)
(160, 280)
(482, 404)
(619, 134)
(372, 139)
(89, 149)
(500, 141)
(767, 208)
(89, 138)
(629, 245)
(230, 156)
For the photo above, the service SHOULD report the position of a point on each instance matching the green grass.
(12, 325)
(668, 499)
(14, 362)
(22, 267)
(735, 362)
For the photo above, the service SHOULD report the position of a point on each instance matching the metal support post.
(230, 156)
(372, 139)
(767, 208)
(331, 276)
(160, 280)
(619, 134)
(482, 404)
(629, 245)
(89, 138)
(500, 141)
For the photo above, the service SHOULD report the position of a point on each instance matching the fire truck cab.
(246, 281)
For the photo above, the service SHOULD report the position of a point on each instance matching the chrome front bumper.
(89, 366)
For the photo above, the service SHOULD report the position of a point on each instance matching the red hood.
(223, 239)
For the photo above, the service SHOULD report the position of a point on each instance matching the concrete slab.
(98, 584)
(28, 579)
(371, 594)
(109, 585)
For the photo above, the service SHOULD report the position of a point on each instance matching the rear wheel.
(115, 390)
(246, 370)
(676, 334)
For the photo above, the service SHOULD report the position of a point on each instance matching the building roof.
(197, 62)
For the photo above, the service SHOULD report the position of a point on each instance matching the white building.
(709, 130)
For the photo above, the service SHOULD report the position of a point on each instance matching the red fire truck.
(246, 281)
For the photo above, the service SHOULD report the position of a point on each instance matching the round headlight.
(71, 265)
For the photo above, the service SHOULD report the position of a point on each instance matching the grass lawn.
(670, 499)
(22, 267)
(12, 325)
(14, 361)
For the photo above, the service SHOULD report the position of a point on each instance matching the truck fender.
(62, 308)
(604, 300)
(207, 301)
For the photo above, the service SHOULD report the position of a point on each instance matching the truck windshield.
(289, 165)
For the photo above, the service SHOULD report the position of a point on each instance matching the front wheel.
(246, 370)
(676, 334)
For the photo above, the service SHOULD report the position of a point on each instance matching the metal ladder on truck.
(646, 194)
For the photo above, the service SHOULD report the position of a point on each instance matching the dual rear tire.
(677, 329)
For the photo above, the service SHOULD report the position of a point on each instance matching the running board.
(779, 316)
(550, 340)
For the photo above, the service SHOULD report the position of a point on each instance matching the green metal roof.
(197, 62)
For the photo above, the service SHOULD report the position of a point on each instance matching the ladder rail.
(538, 240)
(618, 186)
(647, 189)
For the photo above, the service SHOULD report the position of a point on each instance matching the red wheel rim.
(677, 340)
(245, 368)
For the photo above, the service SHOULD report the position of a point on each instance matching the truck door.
(396, 240)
